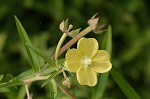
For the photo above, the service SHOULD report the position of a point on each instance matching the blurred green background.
(130, 20)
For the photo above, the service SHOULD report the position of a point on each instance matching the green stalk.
(58, 47)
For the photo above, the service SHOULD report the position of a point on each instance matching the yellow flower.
(86, 61)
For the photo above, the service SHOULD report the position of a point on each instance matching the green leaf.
(25, 75)
(51, 77)
(53, 89)
(100, 87)
(124, 85)
(21, 93)
(107, 41)
(74, 33)
(25, 39)
(11, 83)
(30, 73)
(42, 54)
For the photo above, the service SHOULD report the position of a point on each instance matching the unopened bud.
(97, 28)
(66, 82)
(64, 27)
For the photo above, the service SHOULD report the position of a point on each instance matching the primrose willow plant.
(87, 61)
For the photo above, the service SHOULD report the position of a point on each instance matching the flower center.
(86, 61)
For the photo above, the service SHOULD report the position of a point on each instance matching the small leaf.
(11, 83)
(51, 77)
(25, 39)
(42, 54)
(53, 89)
(74, 33)
(124, 85)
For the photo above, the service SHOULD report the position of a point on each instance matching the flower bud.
(66, 82)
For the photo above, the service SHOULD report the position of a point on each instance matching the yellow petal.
(101, 67)
(100, 62)
(73, 60)
(101, 56)
(88, 46)
(86, 76)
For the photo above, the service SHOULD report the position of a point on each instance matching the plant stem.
(45, 66)
(27, 91)
(73, 41)
(64, 74)
(58, 47)
(36, 78)
(65, 92)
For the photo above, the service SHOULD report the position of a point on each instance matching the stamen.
(86, 61)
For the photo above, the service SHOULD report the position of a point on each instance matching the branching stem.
(27, 91)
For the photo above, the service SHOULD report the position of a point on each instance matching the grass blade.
(124, 86)
(25, 39)
(42, 54)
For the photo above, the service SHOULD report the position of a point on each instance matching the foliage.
(130, 52)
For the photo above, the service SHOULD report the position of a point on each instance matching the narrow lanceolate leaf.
(124, 85)
(53, 89)
(107, 41)
(25, 39)
(25, 75)
(51, 77)
(42, 54)
(11, 83)
(21, 93)
(103, 78)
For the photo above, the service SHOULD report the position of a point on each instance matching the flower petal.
(73, 60)
(86, 76)
(100, 62)
(101, 56)
(88, 46)
(101, 67)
